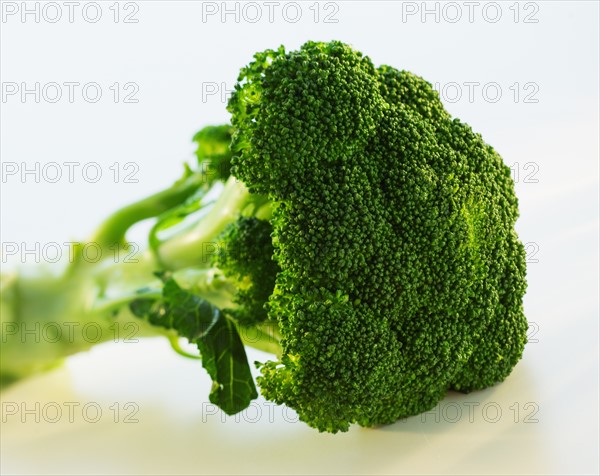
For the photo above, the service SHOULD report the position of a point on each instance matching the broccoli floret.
(213, 152)
(401, 275)
(246, 258)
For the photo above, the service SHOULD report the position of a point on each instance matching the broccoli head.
(400, 273)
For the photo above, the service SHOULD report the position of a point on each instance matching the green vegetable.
(363, 235)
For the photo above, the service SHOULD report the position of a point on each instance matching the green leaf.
(224, 358)
(141, 307)
(217, 338)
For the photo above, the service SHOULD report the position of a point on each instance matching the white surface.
(169, 54)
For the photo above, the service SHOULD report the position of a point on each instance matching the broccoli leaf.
(224, 358)
(217, 338)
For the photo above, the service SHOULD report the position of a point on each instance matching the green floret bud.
(213, 152)
(245, 257)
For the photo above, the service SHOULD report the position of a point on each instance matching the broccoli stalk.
(197, 245)
(49, 315)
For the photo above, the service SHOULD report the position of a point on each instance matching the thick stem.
(46, 318)
(116, 303)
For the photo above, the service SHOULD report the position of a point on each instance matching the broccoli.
(213, 151)
(364, 236)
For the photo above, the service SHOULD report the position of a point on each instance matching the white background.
(175, 56)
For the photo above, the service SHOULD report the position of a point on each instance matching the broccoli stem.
(88, 305)
(112, 231)
(97, 294)
(46, 318)
(197, 245)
